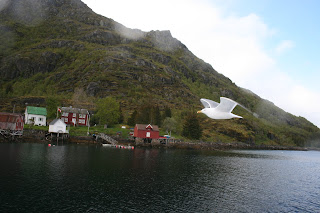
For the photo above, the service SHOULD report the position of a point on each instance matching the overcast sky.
(268, 46)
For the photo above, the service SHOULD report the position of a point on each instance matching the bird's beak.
(199, 111)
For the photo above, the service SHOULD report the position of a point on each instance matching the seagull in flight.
(220, 110)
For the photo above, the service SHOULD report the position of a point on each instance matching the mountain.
(62, 49)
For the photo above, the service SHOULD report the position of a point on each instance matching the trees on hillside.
(147, 113)
(132, 120)
(169, 124)
(108, 111)
(52, 105)
(167, 113)
(191, 127)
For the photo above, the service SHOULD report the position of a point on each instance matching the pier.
(106, 138)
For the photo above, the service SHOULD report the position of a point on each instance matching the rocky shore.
(36, 136)
(220, 146)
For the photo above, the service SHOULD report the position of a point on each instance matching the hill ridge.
(69, 47)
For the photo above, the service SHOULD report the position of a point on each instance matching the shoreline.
(215, 146)
(39, 136)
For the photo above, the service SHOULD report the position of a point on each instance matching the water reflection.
(77, 178)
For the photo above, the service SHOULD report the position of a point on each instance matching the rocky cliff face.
(33, 12)
(52, 47)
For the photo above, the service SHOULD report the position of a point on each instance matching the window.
(148, 135)
(74, 115)
(40, 119)
(65, 114)
(66, 120)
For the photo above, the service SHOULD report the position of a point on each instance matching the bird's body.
(220, 110)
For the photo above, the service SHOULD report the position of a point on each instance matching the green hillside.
(61, 50)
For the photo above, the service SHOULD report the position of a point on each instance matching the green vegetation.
(191, 127)
(82, 59)
(107, 111)
(170, 125)
(83, 130)
(115, 130)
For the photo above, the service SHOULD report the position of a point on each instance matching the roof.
(144, 127)
(55, 121)
(37, 110)
(74, 110)
(9, 117)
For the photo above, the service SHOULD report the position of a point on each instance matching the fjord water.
(81, 178)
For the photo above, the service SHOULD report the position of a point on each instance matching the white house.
(36, 115)
(58, 126)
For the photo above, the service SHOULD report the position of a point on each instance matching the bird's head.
(203, 111)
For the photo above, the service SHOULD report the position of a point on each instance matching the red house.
(146, 131)
(11, 123)
(75, 116)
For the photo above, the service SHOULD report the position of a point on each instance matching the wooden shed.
(11, 123)
(58, 126)
(146, 131)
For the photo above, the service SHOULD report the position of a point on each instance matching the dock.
(106, 138)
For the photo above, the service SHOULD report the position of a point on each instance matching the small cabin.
(58, 126)
(36, 116)
(75, 116)
(11, 123)
(146, 131)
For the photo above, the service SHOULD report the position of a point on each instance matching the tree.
(191, 127)
(169, 124)
(156, 115)
(144, 115)
(52, 106)
(167, 112)
(132, 119)
(121, 119)
(108, 111)
(9, 88)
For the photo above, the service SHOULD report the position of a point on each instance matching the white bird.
(215, 110)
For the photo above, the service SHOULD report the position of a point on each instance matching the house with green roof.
(36, 116)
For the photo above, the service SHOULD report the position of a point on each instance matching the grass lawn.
(83, 130)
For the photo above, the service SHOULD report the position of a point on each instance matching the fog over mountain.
(53, 48)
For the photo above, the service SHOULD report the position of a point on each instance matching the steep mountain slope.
(51, 48)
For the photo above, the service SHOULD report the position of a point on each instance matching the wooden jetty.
(106, 138)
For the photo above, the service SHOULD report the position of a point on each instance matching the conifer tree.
(132, 118)
(167, 113)
(144, 114)
(157, 116)
(191, 127)
(121, 119)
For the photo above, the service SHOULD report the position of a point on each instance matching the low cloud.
(236, 46)
(27, 12)
(284, 46)
(3, 4)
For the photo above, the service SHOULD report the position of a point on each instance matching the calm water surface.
(80, 178)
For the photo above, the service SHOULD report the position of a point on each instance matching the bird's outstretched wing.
(226, 105)
(208, 103)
